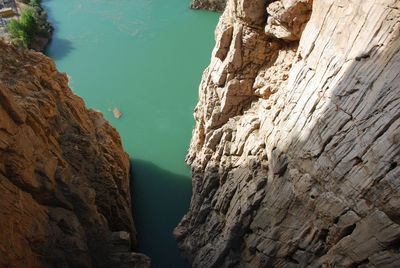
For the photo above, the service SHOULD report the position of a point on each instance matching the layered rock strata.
(64, 177)
(213, 5)
(296, 147)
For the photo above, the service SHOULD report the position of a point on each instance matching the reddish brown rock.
(64, 177)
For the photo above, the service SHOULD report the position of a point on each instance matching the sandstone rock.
(287, 18)
(296, 147)
(64, 177)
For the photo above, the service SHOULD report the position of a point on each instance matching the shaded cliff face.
(64, 177)
(213, 5)
(296, 148)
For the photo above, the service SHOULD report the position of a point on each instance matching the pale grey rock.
(287, 18)
(295, 151)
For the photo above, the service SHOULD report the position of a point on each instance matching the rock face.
(296, 146)
(213, 5)
(64, 177)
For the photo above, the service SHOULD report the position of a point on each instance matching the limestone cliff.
(296, 146)
(213, 5)
(64, 177)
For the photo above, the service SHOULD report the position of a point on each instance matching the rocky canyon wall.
(64, 177)
(296, 147)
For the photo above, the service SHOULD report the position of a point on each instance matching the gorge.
(294, 153)
(138, 56)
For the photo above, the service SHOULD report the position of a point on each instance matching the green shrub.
(24, 30)
(33, 22)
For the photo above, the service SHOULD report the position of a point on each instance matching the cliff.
(64, 177)
(213, 5)
(296, 147)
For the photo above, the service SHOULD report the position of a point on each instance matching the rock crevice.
(295, 151)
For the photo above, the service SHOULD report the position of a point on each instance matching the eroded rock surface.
(296, 146)
(64, 177)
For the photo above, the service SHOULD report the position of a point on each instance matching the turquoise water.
(144, 57)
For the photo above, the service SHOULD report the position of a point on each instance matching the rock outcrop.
(64, 177)
(213, 5)
(296, 149)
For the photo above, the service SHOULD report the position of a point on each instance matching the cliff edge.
(64, 177)
(296, 147)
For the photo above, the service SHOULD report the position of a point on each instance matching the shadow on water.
(60, 48)
(160, 199)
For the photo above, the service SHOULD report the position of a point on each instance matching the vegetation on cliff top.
(31, 24)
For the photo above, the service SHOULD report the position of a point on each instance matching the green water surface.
(144, 57)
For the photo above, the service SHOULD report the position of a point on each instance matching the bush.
(33, 22)
(24, 30)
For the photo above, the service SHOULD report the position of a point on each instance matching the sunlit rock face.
(295, 151)
(64, 177)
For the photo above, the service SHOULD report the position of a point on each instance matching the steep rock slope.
(64, 177)
(214, 5)
(296, 146)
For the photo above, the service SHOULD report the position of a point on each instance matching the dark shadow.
(160, 199)
(58, 48)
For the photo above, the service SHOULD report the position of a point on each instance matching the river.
(144, 57)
